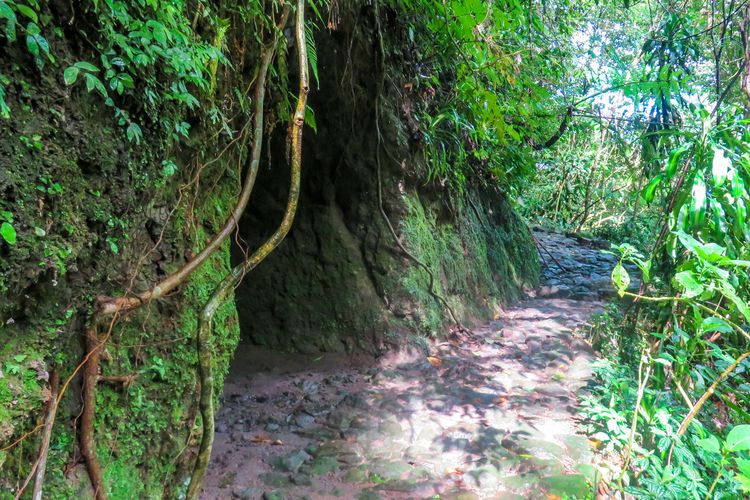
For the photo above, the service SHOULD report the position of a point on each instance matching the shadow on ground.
(489, 416)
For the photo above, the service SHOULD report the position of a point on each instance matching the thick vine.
(204, 344)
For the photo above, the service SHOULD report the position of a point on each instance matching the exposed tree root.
(107, 306)
(204, 344)
(41, 462)
(94, 346)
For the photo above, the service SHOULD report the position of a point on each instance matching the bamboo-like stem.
(709, 392)
(642, 382)
(683, 394)
(204, 344)
(716, 481)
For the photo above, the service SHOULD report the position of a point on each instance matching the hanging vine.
(204, 343)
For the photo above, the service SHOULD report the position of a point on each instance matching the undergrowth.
(711, 456)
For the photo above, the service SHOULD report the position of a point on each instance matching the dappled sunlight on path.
(489, 416)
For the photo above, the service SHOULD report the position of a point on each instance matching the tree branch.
(557, 135)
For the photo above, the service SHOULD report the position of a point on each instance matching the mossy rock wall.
(339, 282)
(94, 215)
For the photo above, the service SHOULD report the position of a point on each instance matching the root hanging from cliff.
(204, 341)
(94, 346)
(40, 465)
(414, 258)
(112, 307)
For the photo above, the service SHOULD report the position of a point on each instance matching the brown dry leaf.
(595, 443)
(458, 471)
(262, 439)
(501, 400)
(436, 362)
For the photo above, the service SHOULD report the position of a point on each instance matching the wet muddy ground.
(489, 415)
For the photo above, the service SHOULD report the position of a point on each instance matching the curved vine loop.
(108, 306)
(204, 343)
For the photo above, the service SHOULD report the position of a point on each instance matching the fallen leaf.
(455, 472)
(501, 400)
(261, 439)
(552, 496)
(595, 443)
(436, 362)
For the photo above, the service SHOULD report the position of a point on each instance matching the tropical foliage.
(625, 120)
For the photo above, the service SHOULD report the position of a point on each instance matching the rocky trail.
(489, 416)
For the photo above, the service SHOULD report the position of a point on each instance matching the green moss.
(149, 423)
(85, 211)
(479, 259)
(118, 477)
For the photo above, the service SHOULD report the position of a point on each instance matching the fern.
(312, 52)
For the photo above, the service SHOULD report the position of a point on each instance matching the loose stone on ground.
(494, 417)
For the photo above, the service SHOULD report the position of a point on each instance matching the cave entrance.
(319, 290)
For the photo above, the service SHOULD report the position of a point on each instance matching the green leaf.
(690, 286)
(32, 30)
(719, 217)
(697, 208)
(27, 11)
(720, 167)
(711, 445)
(729, 292)
(620, 278)
(8, 233)
(310, 119)
(93, 83)
(87, 66)
(738, 186)
(743, 464)
(134, 133)
(674, 159)
(650, 191)
(714, 324)
(70, 75)
(744, 482)
(126, 80)
(738, 439)
(159, 31)
(711, 251)
(7, 13)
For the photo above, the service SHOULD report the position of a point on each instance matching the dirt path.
(494, 417)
